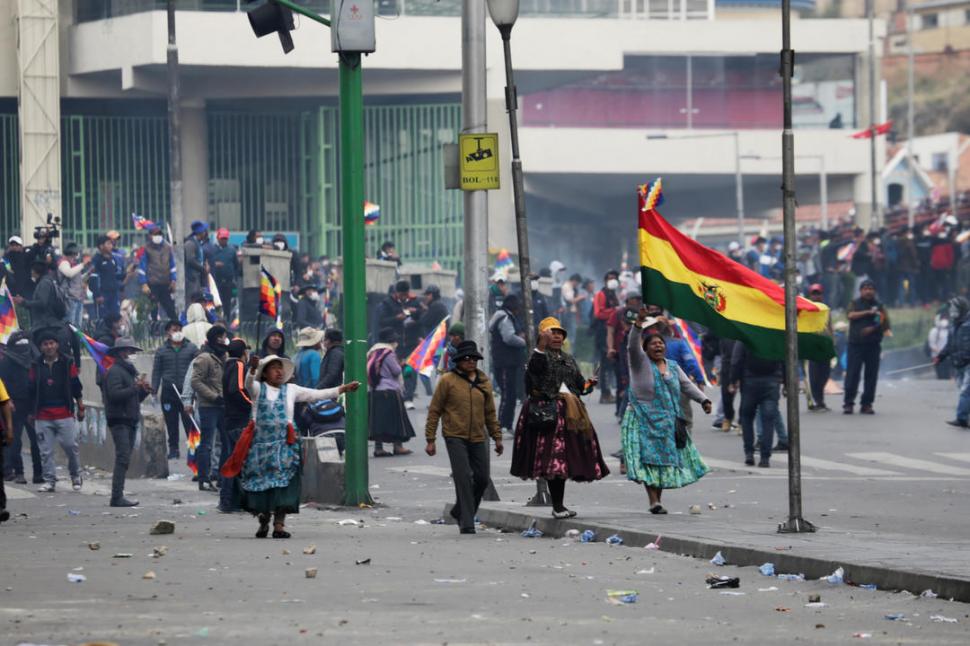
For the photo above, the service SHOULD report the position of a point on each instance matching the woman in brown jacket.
(464, 403)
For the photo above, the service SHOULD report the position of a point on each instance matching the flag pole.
(795, 522)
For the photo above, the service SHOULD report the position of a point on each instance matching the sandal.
(263, 530)
(280, 533)
(382, 454)
(564, 513)
(658, 509)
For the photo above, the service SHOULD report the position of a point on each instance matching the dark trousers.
(755, 392)
(410, 385)
(111, 304)
(727, 400)
(162, 295)
(14, 460)
(123, 436)
(228, 489)
(225, 293)
(3, 491)
(862, 356)
(818, 376)
(172, 412)
(469, 469)
(210, 425)
(509, 381)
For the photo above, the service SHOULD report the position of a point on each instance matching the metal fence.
(111, 167)
(9, 176)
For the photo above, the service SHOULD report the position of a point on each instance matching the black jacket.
(434, 314)
(957, 346)
(746, 365)
(170, 367)
(64, 372)
(15, 366)
(122, 399)
(238, 405)
(39, 305)
(307, 314)
(868, 329)
(332, 368)
(387, 313)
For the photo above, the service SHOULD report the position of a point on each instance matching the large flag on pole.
(8, 314)
(693, 344)
(702, 285)
(269, 296)
(422, 359)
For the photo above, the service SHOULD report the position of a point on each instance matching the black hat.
(214, 333)
(434, 290)
(124, 343)
(237, 348)
(388, 335)
(867, 283)
(467, 349)
(402, 286)
(46, 334)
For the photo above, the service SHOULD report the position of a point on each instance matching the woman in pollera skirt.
(388, 419)
(554, 438)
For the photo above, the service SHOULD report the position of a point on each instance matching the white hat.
(288, 368)
(16, 240)
(309, 337)
(734, 245)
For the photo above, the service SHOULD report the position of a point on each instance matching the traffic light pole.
(356, 490)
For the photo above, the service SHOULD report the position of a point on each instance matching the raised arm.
(313, 394)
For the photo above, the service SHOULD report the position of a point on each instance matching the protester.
(307, 312)
(464, 403)
(456, 334)
(936, 340)
(572, 296)
(725, 381)
(308, 358)
(507, 340)
(388, 418)
(72, 276)
(225, 269)
(15, 365)
(389, 253)
(497, 292)
(332, 365)
(605, 303)
(109, 329)
(156, 271)
(554, 438)
(238, 410)
(123, 391)
(818, 371)
(759, 381)
(16, 268)
(433, 311)
(617, 328)
(657, 448)
(46, 306)
(195, 261)
(207, 376)
(540, 306)
(267, 455)
(274, 343)
(107, 276)
(6, 440)
(170, 366)
(958, 352)
(56, 394)
(868, 324)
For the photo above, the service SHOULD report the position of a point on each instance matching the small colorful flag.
(688, 334)
(269, 295)
(372, 213)
(503, 262)
(423, 358)
(8, 314)
(880, 129)
(141, 223)
(653, 195)
(193, 436)
(97, 350)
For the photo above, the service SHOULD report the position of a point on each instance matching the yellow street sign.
(478, 161)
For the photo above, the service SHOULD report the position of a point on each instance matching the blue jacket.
(679, 351)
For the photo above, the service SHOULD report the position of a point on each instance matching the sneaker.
(4, 516)
(737, 429)
(764, 463)
(76, 483)
(39, 480)
(958, 423)
(822, 409)
(847, 409)
(173, 455)
(716, 425)
(658, 509)
(20, 479)
(409, 405)
(565, 513)
(749, 460)
(47, 487)
(467, 530)
(124, 502)
(781, 446)
(866, 410)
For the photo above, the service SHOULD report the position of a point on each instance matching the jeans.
(75, 311)
(469, 469)
(509, 380)
(63, 432)
(963, 405)
(123, 436)
(779, 429)
(210, 425)
(906, 293)
(759, 393)
(862, 355)
(818, 376)
(229, 486)
(171, 411)
(14, 459)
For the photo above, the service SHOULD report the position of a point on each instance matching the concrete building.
(613, 93)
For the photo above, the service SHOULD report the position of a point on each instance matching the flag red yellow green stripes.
(702, 285)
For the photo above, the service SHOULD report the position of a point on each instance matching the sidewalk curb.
(886, 578)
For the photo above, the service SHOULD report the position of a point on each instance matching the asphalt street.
(901, 471)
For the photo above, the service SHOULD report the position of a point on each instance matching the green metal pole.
(355, 297)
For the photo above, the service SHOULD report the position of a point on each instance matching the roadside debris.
(614, 540)
(122, 555)
(836, 578)
(767, 569)
(148, 576)
(718, 559)
(653, 546)
(362, 562)
(791, 577)
(94, 547)
(621, 597)
(350, 522)
(587, 536)
(695, 510)
(532, 532)
(862, 635)
(814, 598)
(868, 586)
(162, 527)
(943, 620)
(927, 594)
(310, 573)
(76, 578)
(572, 534)
(310, 549)
(714, 582)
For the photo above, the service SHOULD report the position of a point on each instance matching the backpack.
(57, 302)
(325, 411)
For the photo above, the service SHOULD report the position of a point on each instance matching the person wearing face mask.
(171, 363)
(123, 391)
(605, 303)
(307, 312)
(273, 343)
(156, 271)
(540, 306)
(15, 365)
(207, 376)
(195, 261)
(16, 268)
(225, 268)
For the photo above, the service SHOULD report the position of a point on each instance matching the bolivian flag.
(702, 285)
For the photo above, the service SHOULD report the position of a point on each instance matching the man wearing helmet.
(958, 350)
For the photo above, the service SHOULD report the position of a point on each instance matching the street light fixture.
(273, 17)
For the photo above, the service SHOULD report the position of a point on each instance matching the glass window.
(930, 20)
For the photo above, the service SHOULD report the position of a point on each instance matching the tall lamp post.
(504, 14)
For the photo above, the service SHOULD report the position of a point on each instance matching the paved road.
(427, 585)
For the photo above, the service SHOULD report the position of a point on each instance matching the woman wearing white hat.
(267, 456)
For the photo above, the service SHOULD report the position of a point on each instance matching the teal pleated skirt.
(691, 469)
